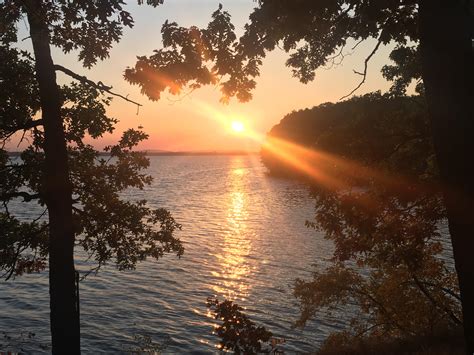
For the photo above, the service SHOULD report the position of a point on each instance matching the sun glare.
(237, 126)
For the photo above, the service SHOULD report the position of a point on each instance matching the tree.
(390, 265)
(433, 43)
(238, 333)
(448, 74)
(79, 188)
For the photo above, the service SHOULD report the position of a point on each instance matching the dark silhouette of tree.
(238, 333)
(78, 189)
(447, 58)
(434, 43)
(369, 129)
(390, 262)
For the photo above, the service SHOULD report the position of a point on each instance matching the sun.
(237, 126)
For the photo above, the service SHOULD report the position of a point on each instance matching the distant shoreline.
(200, 153)
(166, 153)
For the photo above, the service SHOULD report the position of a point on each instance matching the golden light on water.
(234, 265)
(328, 170)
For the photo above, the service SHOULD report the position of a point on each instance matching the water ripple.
(245, 240)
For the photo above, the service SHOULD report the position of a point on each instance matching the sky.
(199, 122)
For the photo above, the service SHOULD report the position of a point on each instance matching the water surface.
(245, 240)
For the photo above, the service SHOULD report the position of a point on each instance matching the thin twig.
(41, 215)
(181, 97)
(357, 44)
(364, 73)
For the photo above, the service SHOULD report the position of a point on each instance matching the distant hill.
(369, 129)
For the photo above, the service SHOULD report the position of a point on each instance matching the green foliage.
(238, 333)
(440, 343)
(22, 244)
(109, 226)
(406, 68)
(313, 31)
(90, 27)
(19, 96)
(84, 113)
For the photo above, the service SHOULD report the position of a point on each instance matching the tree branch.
(358, 335)
(444, 289)
(391, 319)
(9, 131)
(366, 64)
(357, 44)
(26, 126)
(448, 311)
(99, 85)
(32, 124)
(26, 196)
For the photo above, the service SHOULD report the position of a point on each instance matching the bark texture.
(447, 60)
(65, 329)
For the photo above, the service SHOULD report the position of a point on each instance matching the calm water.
(245, 240)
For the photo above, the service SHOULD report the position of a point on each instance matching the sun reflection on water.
(234, 266)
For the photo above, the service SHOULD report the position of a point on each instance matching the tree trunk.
(65, 330)
(447, 61)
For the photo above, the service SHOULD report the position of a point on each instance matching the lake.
(245, 240)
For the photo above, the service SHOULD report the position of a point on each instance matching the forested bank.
(376, 188)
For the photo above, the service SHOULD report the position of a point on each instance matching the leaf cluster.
(193, 57)
(237, 332)
(19, 96)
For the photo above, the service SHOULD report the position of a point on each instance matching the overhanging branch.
(25, 195)
(32, 124)
(99, 86)
(366, 64)
(10, 130)
(6, 132)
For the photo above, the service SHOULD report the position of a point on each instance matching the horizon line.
(158, 152)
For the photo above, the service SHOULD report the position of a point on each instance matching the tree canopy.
(108, 226)
(314, 33)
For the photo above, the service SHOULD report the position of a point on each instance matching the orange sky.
(183, 125)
